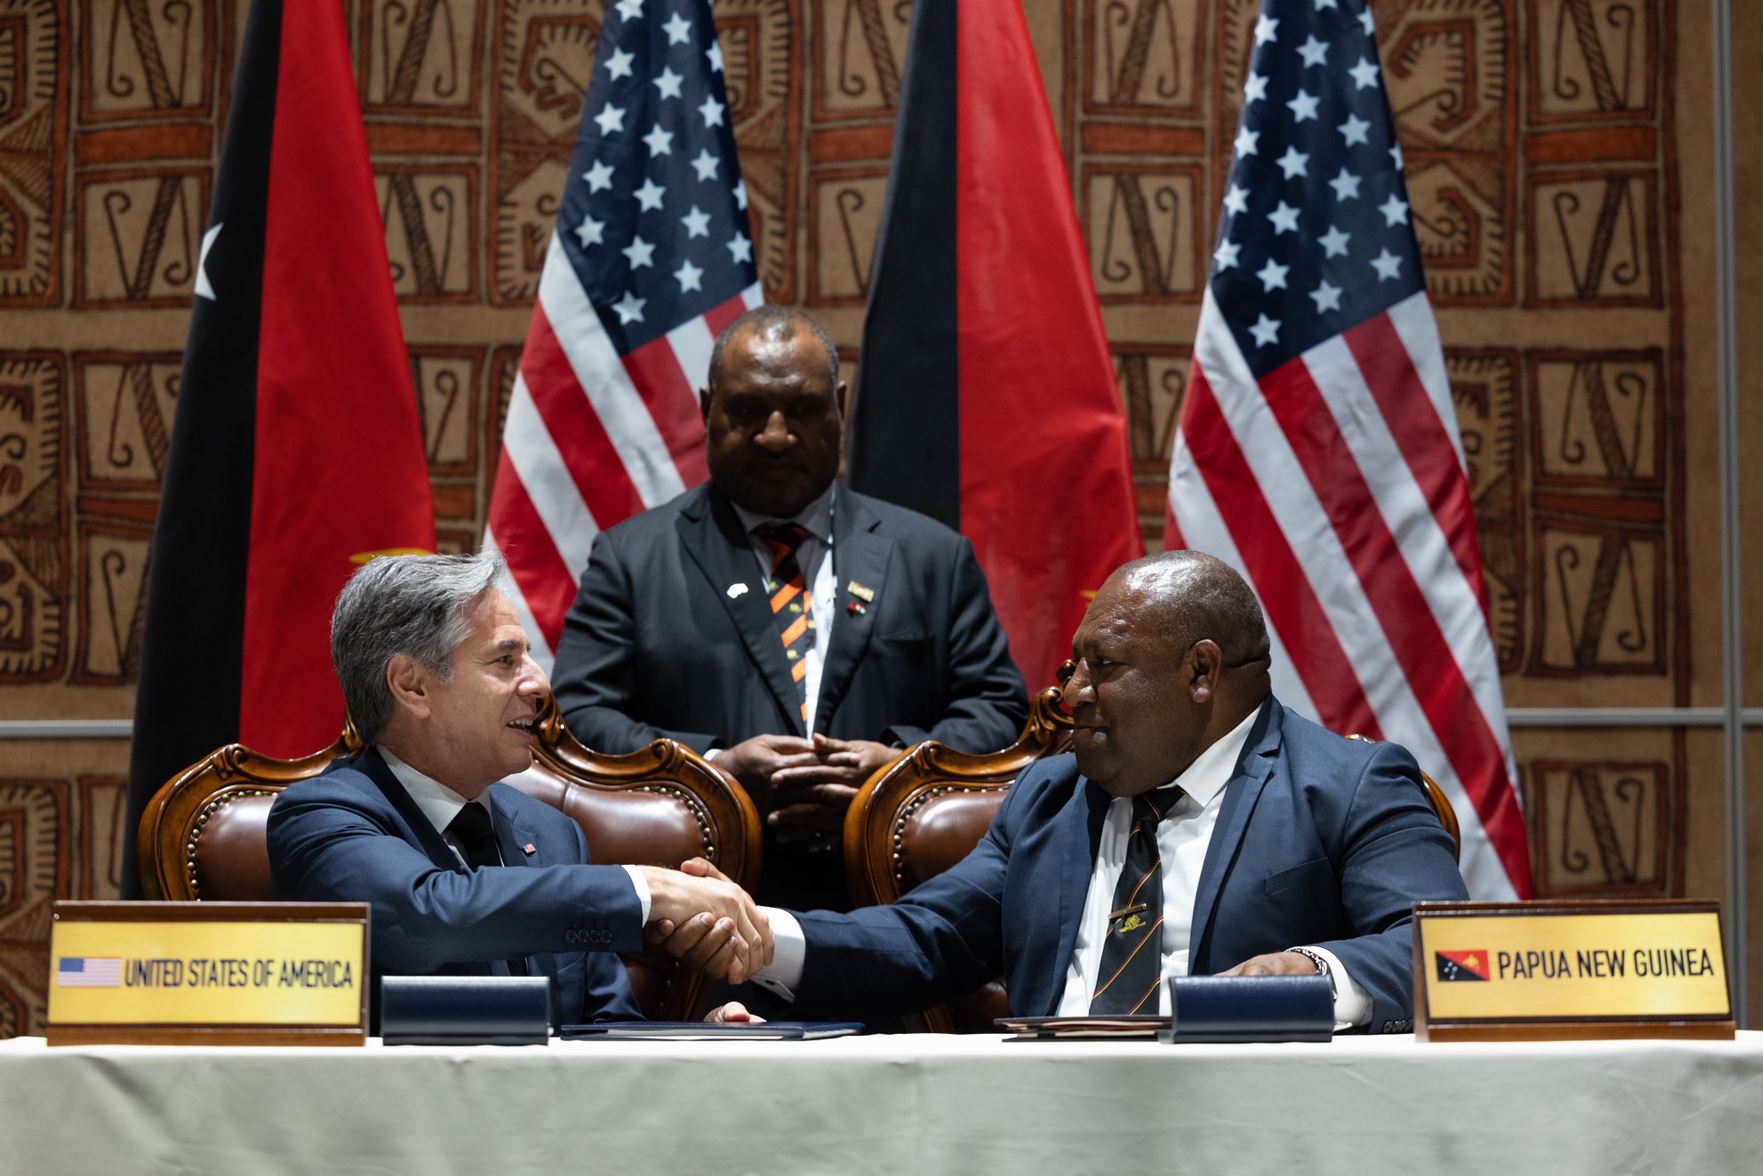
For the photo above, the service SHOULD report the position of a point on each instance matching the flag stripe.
(541, 646)
(1392, 381)
(581, 445)
(660, 381)
(1296, 614)
(599, 372)
(540, 568)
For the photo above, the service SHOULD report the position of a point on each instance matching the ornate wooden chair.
(923, 813)
(203, 835)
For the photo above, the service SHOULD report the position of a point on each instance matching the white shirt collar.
(816, 517)
(439, 803)
(1212, 768)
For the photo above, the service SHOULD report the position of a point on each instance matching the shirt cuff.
(641, 885)
(1352, 1004)
(783, 975)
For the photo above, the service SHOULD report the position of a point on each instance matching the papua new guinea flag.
(296, 453)
(1462, 965)
(986, 396)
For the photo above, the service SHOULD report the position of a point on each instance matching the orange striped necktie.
(789, 601)
(1132, 953)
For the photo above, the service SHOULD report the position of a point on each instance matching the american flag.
(88, 972)
(1318, 449)
(651, 257)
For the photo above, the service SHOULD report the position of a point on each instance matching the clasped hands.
(710, 924)
(803, 786)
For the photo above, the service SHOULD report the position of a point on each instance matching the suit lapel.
(417, 826)
(713, 540)
(860, 556)
(512, 837)
(1240, 794)
(1078, 838)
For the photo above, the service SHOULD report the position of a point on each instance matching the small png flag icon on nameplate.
(1462, 965)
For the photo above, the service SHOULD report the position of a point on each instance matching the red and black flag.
(1461, 965)
(297, 452)
(987, 397)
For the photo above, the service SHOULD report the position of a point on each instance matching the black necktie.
(475, 836)
(1132, 955)
(472, 831)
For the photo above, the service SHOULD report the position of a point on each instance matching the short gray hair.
(410, 604)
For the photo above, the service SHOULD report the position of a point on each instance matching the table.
(898, 1105)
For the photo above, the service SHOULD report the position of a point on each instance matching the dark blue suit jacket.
(354, 835)
(1321, 841)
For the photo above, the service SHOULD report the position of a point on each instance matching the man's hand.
(812, 798)
(714, 921)
(755, 761)
(1276, 963)
(732, 1012)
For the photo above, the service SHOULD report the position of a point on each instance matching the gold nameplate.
(220, 973)
(1487, 971)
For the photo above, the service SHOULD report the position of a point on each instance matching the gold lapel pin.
(867, 595)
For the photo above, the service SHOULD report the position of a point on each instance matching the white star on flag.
(1327, 296)
(1387, 265)
(591, 232)
(619, 64)
(1313, 52)
(1394, 211)
(1284, 218)
(711, 110)
(705, 165)
(667, 83)
(610, 119)
(1273, 275)
(1294, 163)
(640, 253)
(697, 223)
(1255, 89)
(1226, 254)
(1246, 141)
(1334, 242)
(1345, 185)
(1354, 130)
(599, 177)
(1265, 330)
(1236, 200)
(677, 29)
(660, 141)
(740, 249)
(649, 196)
(1264, 30)
(630, 308)
(1364, 74)
(689, 276)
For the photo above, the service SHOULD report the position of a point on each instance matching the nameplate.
(1487, 971)
(219, 973)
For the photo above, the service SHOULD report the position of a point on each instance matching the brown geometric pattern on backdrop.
(1554, 114)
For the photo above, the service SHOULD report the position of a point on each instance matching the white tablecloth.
(889, 1104)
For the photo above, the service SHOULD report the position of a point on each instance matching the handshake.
(706, 921)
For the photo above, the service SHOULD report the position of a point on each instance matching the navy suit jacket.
(1321, 841)
(354, 834)
(672, 635)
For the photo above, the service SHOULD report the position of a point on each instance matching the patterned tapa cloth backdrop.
(1559, 166)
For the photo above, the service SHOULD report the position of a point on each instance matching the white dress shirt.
(440, 804)
(1182, 839)
(814, 557)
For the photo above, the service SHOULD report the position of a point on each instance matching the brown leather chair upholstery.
(923, 813)
(203, 835)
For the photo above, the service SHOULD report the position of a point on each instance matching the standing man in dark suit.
(798, 633)
(467, 875)
(1198, 820)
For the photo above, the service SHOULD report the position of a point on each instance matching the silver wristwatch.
(1321, 962)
